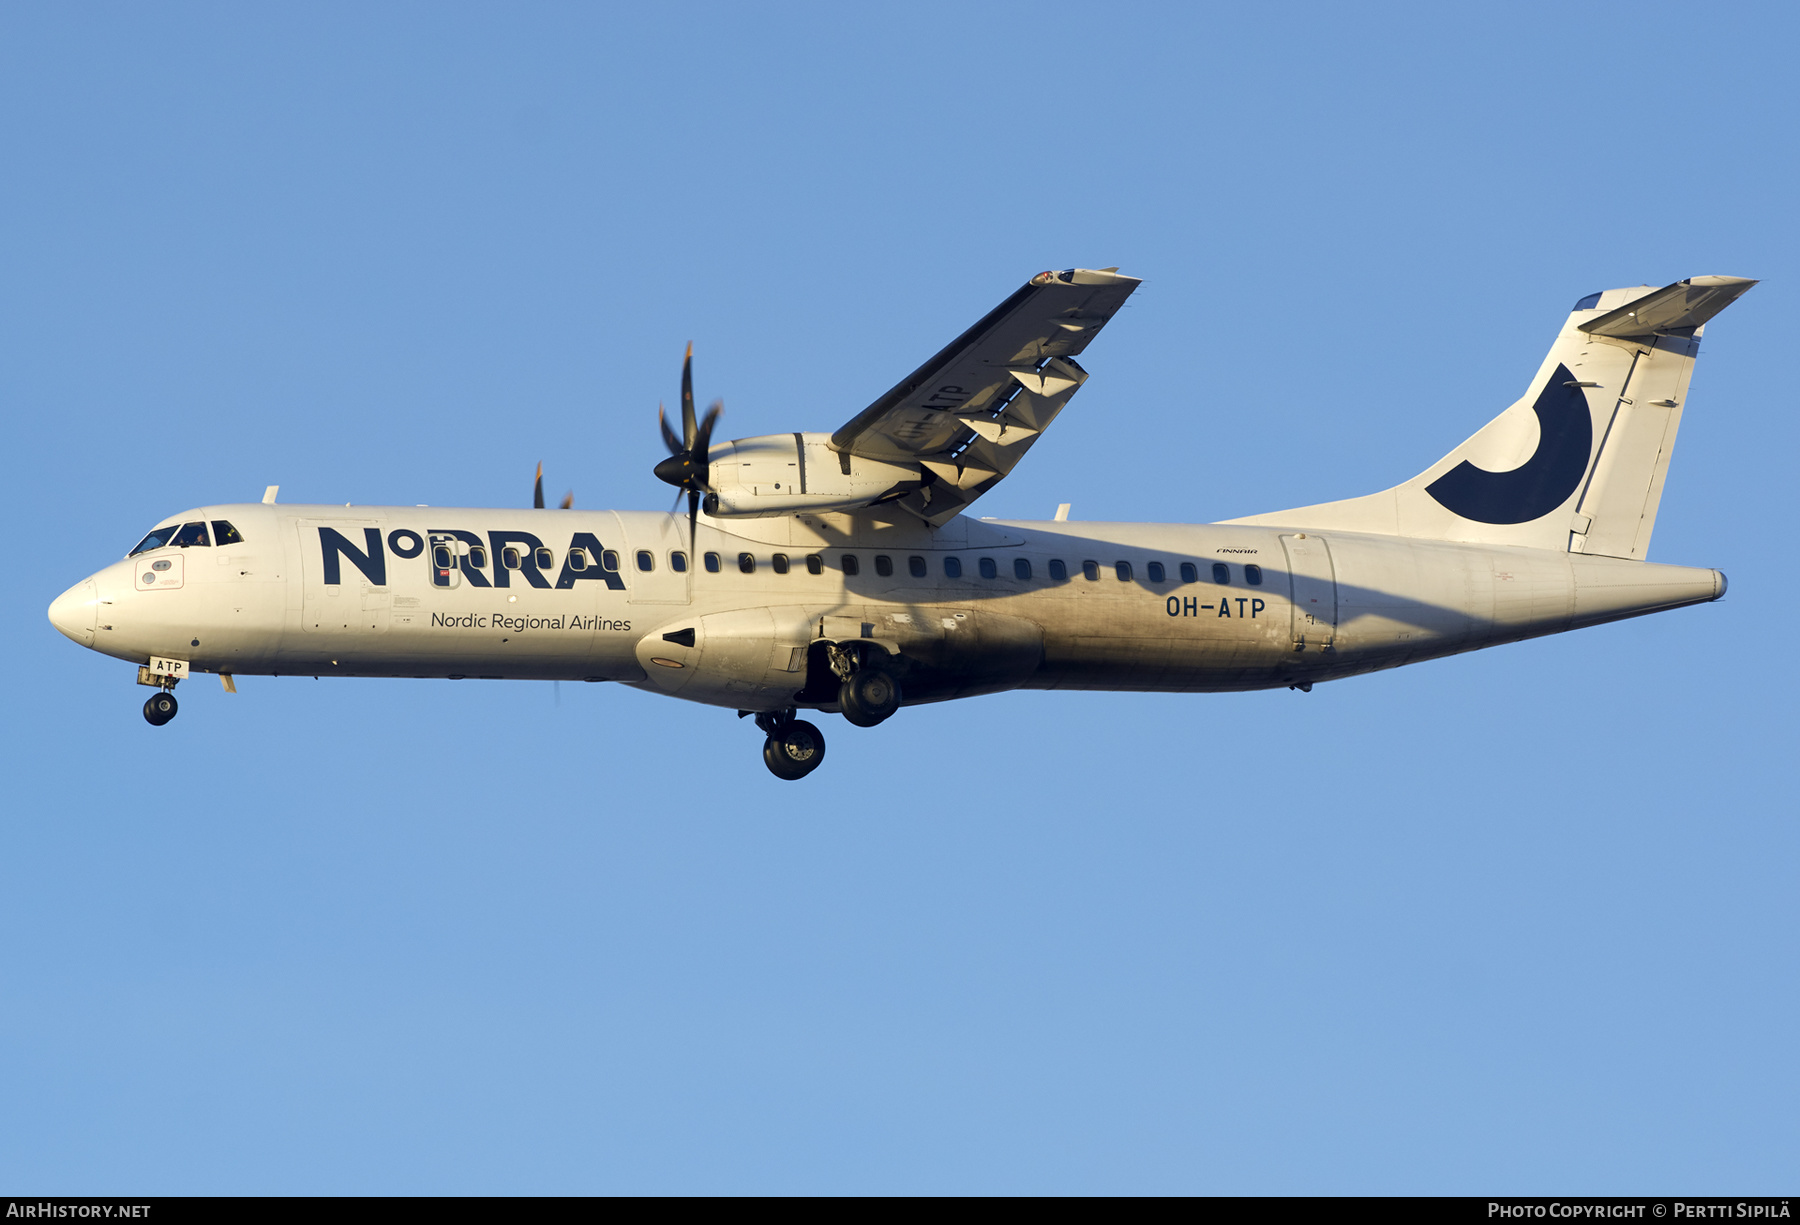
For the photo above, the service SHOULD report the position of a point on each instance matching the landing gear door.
(1313, 588)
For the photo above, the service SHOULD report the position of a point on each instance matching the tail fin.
(1578, 463)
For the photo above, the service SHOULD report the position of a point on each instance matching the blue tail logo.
(1540, 484)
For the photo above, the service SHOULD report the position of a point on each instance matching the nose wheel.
(793, 748)
(160, 708)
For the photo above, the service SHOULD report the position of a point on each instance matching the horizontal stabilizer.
(1677, 309)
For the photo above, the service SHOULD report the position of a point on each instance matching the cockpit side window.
(192, 535)
(156, 539)
(224, 533)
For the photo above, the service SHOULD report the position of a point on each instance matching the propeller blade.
(537, 497)
(693, 513)
(687, 399)
(568, 502)
(704, 440)
(669, 439)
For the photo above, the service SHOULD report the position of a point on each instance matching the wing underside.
(968, 415)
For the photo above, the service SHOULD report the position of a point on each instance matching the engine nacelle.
(781, 474)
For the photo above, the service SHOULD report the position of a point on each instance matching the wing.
(969, 414)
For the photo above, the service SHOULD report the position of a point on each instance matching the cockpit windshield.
(156, 539)
(188, 536)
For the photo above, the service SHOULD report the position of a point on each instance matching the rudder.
(1579, 462)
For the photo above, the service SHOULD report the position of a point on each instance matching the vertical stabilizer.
(1578, 463)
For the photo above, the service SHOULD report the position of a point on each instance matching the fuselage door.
(343, 576)
(446, 561)
(1313, 588)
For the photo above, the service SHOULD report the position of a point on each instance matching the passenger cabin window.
(190, 536)
(780, 563)
(1189, 574)
(609, 560)
(678, 562)
(1123, 570)
(1155, 571)
(1090, 570)
(1253, 575)
(646, 560)
(1058, 571)
(884, 565)
(577, 559)
(850, 566)
(478, 556)
(1021, 568)
(1221, 574)
(712, 563)
(953, 567)
(224, 533)
(509, 557)
(988, 568)
(156, 539)
(442, 557)
(815, 564)
(915, 566)
(746, 563)
(543, 559)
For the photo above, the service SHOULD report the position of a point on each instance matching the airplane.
(842, 572)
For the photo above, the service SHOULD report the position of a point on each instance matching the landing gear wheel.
(160, 709)
(795, 751)
(868, 696)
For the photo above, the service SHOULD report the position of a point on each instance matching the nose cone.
(74, 612)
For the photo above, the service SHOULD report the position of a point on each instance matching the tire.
(160, 709)
(795, 751)
(869, 696)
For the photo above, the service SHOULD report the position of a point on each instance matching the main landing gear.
(794, 747)
(867, 692)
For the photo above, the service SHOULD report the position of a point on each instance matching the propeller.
(537, 494)
(686, 466)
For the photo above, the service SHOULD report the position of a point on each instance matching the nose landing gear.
(793, 748)
(160, 708)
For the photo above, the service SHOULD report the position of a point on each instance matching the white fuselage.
(1121, 615)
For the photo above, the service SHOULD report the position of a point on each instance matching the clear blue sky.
(1518, 921)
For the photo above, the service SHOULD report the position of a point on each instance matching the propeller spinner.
(686, 466)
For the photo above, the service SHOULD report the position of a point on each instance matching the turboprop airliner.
(841, 573)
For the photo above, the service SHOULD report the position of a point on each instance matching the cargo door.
(343, 577)
(1313, 590)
